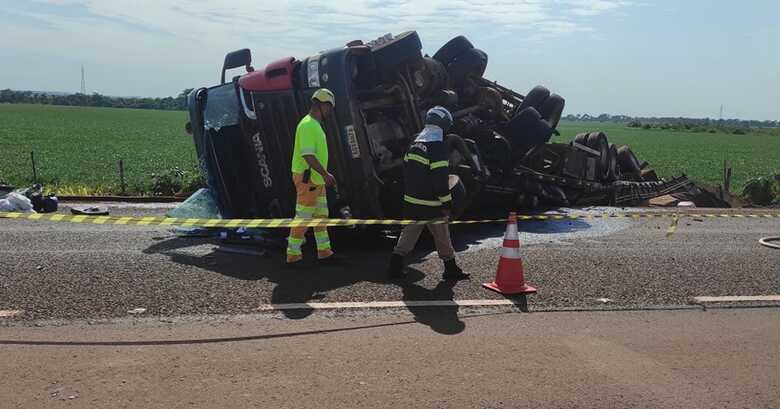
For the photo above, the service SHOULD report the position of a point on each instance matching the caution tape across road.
(273, 223)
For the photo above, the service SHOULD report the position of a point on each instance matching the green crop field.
(77, 149)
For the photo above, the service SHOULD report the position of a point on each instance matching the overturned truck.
(500, 155)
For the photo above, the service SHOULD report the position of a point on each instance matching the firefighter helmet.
(440, 117)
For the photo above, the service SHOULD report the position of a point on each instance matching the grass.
(698, 155)
(77, 149)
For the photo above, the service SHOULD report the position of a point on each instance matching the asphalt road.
(643, 359)
(66, 271)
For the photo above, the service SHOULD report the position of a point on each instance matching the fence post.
(122, 175)
(35, 173)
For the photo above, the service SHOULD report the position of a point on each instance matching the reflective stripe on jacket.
(426, 189)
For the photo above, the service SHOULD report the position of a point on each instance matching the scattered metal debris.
(90, 210)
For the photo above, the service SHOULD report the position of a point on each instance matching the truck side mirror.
(237, 59)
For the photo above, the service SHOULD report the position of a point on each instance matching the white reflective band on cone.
(511, 231)
(508, 252)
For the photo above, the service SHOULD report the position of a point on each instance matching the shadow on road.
(366, 256)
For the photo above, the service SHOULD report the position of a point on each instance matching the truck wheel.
(612, 168)
(552, 109)
(627, 161)
(598, 141)
(581, 138)
(528, 129)
(403, 48)
(437, 74)
(452, 49)
(471, 64)
(535, 98)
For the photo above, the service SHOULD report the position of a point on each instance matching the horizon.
(565, 116)
(657, 60)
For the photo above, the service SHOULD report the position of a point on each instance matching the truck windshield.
(221, 107)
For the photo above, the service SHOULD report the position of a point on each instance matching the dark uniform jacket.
(426, 169)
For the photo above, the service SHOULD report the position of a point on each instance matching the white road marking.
(384, 304)
(737, 298)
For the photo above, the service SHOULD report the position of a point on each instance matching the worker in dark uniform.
(427, 195)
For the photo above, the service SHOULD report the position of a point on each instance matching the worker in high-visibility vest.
(427, 195)
(310, 176)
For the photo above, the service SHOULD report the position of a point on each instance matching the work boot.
(453, 272)
(395, 271)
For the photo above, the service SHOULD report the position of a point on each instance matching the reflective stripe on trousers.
(311, 202)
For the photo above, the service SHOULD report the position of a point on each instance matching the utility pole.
(83, 82)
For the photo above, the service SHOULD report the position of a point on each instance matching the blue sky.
(635, 57)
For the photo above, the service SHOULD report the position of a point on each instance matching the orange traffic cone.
(509, 276)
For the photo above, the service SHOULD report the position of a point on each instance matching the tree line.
(178, 103)
(675, 122)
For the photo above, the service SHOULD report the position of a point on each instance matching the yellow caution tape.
(272, 223)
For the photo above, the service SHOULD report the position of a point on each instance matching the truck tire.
(437, 76)
(581, 138)
(627, 161)
(534, 99)
(598, 141)
(403, 48)
(471, 64)
(527, 130)
(613, 172)
(552, 109)
(452, 49)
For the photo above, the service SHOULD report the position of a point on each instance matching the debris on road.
(663, 201)
(201, 205)
(10, 313)
(137, 311)
(90, 210)
(15, 202)
(41, 203)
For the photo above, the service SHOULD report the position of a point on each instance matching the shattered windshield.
(221, 108)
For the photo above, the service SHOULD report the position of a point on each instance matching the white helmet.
(324, 95)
